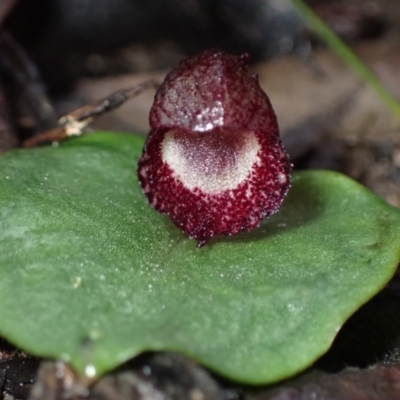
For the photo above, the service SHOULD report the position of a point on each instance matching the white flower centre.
(210, 164)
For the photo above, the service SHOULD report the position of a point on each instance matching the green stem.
(347, 55)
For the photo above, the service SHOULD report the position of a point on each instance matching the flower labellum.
(213, 160)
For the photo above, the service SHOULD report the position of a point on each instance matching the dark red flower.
(213, 160)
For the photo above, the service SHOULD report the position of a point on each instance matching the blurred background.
(72, 38)
(57, 55)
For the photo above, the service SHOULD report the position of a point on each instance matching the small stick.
(73, 124)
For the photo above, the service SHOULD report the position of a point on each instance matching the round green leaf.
(90, 274)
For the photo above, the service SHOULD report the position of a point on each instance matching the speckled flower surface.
(213, 160)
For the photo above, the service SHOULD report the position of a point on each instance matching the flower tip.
(201, 243)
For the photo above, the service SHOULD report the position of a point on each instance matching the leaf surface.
(91, 274)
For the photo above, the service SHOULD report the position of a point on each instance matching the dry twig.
(74, 123)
